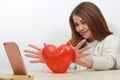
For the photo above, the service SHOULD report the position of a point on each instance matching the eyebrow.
(82, 20)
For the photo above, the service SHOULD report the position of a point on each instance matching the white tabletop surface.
(71, 75)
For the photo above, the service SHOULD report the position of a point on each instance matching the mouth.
(83, 33)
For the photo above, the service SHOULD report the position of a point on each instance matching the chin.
(86, 37)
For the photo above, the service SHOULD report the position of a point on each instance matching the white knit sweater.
(106, 54)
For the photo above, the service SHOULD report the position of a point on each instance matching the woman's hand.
(35, 54)
(82, 58)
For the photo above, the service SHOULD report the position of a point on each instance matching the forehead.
(77, 18)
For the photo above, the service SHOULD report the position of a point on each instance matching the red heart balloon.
(58, 59)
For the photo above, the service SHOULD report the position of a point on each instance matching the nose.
(80, 28)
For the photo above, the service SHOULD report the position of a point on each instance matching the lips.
(83, 33)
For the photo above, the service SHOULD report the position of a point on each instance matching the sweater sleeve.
(109, 54)
(103, 63)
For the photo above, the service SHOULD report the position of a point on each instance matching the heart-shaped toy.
(58, 59)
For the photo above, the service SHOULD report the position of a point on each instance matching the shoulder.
(112, 37)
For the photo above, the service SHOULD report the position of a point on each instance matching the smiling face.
(82, 28)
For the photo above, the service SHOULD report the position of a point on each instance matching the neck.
(90, 40)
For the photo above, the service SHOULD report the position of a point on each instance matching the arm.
(107, 54)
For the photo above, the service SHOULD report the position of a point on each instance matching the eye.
(76, 24)
(83, 22)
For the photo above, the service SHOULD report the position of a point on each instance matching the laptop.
(15, 58)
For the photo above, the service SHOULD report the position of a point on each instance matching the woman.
(90, 33)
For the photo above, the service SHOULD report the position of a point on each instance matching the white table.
(72, 75)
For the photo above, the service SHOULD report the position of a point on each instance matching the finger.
(36, 61)
(33, 46)
(69, 43)
(32, 56)
(83, 55)
(84, 49)
(31, 51)
(80, 44)
(45, 44)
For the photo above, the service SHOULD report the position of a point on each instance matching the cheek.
(77, 29)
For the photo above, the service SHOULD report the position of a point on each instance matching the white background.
(39, 21)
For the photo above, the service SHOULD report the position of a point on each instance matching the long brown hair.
(93, 17)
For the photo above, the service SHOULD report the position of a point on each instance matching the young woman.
(90, 34)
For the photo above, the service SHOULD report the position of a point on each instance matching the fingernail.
(44, 44)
